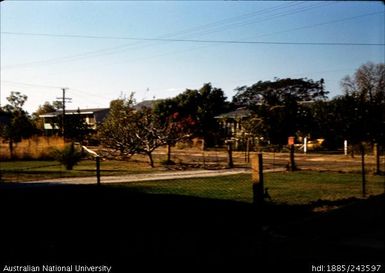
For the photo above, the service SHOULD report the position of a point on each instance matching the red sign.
(290, 140)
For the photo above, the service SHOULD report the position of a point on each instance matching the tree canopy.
(364, 104)
(196, 109)
(280, 106)
(19, 124)
(279, 92)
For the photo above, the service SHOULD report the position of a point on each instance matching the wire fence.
(321, 176)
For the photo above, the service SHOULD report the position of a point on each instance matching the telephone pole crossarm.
(64, 100)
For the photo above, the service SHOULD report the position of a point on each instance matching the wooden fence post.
(97, 170)
(292, 166)
(230, 163)
(363, 169)
(257, 178)
(376, 154)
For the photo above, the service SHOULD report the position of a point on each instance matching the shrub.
(68, 156)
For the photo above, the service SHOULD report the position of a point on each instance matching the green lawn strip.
(19, 171)
(292, 188)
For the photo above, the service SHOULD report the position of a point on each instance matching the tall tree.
(213, 102)
(366, 91)
(199, 107)
(280, 106)
(115, 132)
(147, 133)
(42, 109)
(19, 124)
(131, 131)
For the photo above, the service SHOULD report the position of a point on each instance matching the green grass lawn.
(19, 171)
(292, 188)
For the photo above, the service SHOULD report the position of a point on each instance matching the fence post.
(376, 154)
(345, 147)
(230, 163)
(363, 170)
(98, 170)
(257, 178)
(292, 166)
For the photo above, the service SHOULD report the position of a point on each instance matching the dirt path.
(132, 178)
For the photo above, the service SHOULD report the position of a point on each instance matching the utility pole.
(64, 100)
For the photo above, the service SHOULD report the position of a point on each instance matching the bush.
(68, 156)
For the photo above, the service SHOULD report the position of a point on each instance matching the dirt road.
(169, 175)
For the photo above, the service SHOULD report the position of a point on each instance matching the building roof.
(239, 113)
(74, 112)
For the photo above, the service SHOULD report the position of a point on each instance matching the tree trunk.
(376, 153)
(168, 153)
(11, 149)
(150, 160)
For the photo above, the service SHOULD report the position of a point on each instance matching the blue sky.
(95, 49)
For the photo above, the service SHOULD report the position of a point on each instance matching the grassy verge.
(292, 188)
(19, 171)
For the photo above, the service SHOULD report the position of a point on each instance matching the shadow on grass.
(123, 227)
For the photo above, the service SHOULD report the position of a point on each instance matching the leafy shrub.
(68, 156)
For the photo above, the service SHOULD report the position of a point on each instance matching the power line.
(270, 17)
(32, 84)
(322, 23)
(88, 94)
(118, 49)
(127, 46)
(198, 40)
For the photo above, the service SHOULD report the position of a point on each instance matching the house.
(92, 117)
(232, 121)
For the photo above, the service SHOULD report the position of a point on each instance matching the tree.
(115, 132)
(42, 109)
(366, 92)
(19, 124)
(147, 133)
(367, 84)
(196, 110)
(131, 131)
(175, 128)
(212, 103)
(76, 128)
(280, 106)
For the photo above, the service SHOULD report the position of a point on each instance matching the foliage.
(176, 127)
(42, 109)
(147, 133)
(280, 107)
(68, 156)
(76, 129)
(19, 124)
(195, 110)
(132, 131)
(279, 92)
(115, 131)
(367, 84)
(365, 93)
